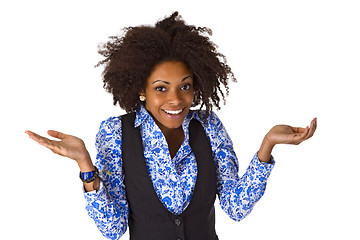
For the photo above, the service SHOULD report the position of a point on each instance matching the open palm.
(284, 134)
(68, 146)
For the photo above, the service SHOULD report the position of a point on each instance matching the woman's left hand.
(284, 134)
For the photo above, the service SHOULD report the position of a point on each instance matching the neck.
(174, 137)
(170, 133)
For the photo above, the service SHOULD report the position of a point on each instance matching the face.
(169, 94)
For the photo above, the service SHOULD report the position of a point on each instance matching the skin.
(168, 88)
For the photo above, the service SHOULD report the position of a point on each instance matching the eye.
(186, 87)
(160, 89)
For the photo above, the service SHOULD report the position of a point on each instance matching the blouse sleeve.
(110, 216)
(237, 196)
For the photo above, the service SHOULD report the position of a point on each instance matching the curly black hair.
(131, 57)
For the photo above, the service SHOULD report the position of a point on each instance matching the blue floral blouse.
(173, 179)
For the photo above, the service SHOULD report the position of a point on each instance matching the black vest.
(148, 218)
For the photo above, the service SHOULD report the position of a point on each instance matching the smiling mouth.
(173, 112)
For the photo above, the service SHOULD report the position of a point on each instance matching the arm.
(71, 147)
(109, 216)
(238, 195)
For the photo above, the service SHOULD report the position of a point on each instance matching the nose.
(174, 98)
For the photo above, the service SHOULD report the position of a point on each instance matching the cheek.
(153, 102)
(190, 98)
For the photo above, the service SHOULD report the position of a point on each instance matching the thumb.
(56, 134)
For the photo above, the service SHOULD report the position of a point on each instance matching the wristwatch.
(89, 177)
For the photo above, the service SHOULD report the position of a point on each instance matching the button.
(177, 222)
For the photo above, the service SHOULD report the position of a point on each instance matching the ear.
(141, 93)
(142, 96)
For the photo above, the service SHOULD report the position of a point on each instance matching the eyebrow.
(169, 83)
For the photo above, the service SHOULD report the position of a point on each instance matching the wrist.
(88, 177)
(264, 153)
(268, 141)
(85, 164)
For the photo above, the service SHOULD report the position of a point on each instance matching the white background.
(294, 60)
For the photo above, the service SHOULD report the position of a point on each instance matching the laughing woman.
(159, 168)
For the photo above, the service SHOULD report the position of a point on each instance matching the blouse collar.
(142, 116)
(150, 132)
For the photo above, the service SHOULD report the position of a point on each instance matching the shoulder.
(212, 123)
(214, 128)
(109, 129)
(111, 121)
(113, 125)
(108, 145)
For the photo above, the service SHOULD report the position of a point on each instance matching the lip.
(173, 112)
(171, 115)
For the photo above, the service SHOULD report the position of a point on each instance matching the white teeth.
(173, 112)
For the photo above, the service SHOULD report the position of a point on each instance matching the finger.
(56, 134)
(306, 132)
(300, 132)
(43, 141)
(34, 136)
(28, 132)
(313, 126)
(310, 131)
(55, 148)
(301, 135)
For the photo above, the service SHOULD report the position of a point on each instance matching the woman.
(160, 167)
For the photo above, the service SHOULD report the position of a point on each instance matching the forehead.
(170, 70)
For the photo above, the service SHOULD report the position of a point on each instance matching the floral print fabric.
(173, 178)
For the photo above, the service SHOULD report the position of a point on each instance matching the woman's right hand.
(68, 146)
